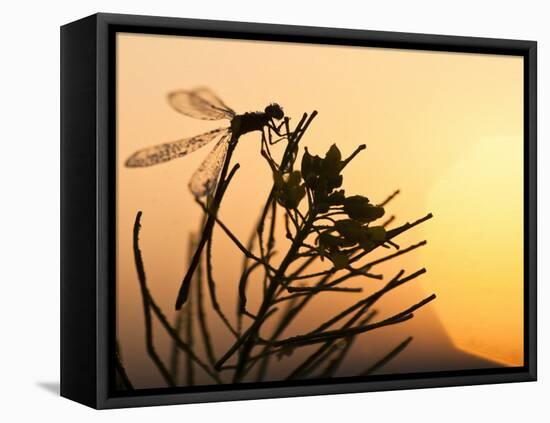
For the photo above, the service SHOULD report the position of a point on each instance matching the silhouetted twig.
(212, 288)
(390, 197)
(333, 365)
(387, 358)
(371, 299)
(189, 318)
(149, 304)
(121, 371)
(235, 240)
(146, 308)
(174, 355)
(206, 337)
(334, 334)
(317, 357)
(388, 221)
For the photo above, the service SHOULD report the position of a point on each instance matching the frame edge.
(78, 212)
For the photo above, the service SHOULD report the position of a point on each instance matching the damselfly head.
(274, 111)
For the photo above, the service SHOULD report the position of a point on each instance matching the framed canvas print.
(254, 211)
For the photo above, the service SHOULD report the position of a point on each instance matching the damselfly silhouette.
(201, 103)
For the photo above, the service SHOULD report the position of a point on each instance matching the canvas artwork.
(290, 212)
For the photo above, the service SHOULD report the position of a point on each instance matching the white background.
(29, 210)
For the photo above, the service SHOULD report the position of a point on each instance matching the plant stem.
(152, 306)
(387, 358)
(206, 337)
(335, 334)
(119, 367)
(149, 343)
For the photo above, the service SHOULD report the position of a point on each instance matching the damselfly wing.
(200, 103)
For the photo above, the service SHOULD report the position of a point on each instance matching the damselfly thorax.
(202, 104)
(255, 121)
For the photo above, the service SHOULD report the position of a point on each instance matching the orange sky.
(445, 128)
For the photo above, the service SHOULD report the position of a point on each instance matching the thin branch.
(352, 274)
(315, 290)
(387, 358)
(203, 324)
(174, 355)
(184, 346)
(328, 272)
(335, 334)
(301, 268)
(212, 288)
(352, 155)
(389, 220)
(149, 343)
(189, 370)
(148, 299)
(245, 273)
(333, 365)
(233, 238)
(392, 234)
(371, 299)
(397, 231)
(262, 369)
(317, 357)
(390, 197)
(312, 289)
(391, 256)
(271, 237)
(242, 290)
(242, 339)
(119, 367)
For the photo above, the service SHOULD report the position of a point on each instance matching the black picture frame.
(88, 201)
